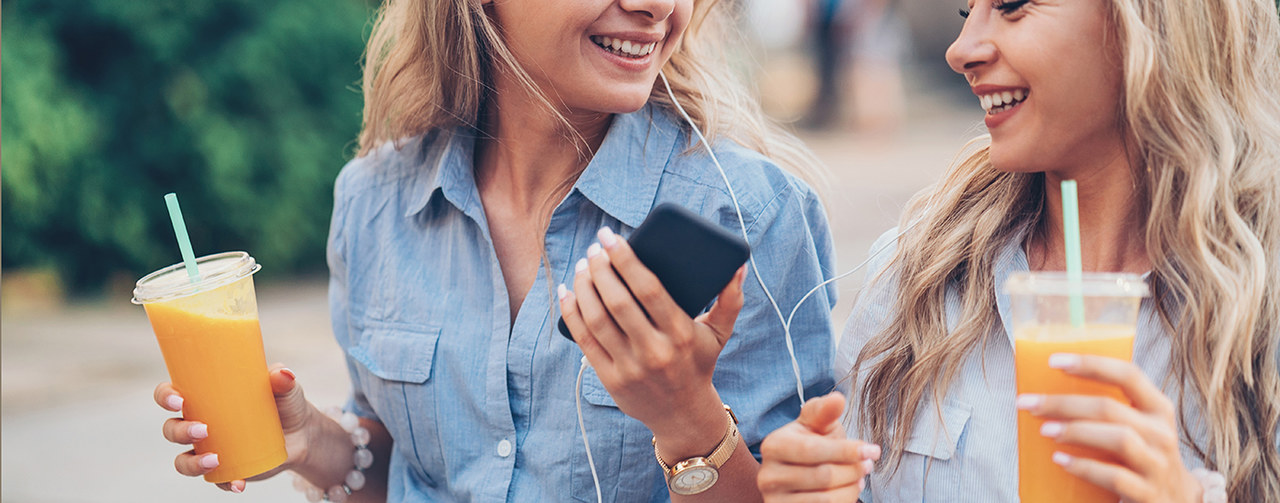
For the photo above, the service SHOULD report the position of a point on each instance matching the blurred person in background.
(858, 47)
(1168, 116)
(500, 140)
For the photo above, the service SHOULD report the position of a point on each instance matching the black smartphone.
(693, 258)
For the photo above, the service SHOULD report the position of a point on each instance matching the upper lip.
(634, 36)
(986, 89)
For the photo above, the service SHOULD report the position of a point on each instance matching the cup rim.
(1092, 284)
(171, 282)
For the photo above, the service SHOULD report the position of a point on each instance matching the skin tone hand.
(652, 357)
(810, 459)
(1142, 438)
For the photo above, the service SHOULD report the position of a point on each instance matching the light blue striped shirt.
(481, 409)
(970, 450)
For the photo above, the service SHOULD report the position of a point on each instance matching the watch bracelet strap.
(723, 450)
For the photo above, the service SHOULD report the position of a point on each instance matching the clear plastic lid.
(173, 283)
(1093, 284)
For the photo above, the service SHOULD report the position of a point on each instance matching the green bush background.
(246, 109)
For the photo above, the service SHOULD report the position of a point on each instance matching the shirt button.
(504, 448)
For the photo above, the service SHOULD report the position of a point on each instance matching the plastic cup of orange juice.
(1043, 325)
(208, 332)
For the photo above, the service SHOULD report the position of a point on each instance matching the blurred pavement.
(78, 420)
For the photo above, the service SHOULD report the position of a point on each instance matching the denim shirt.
(482, 409)
(969, 452)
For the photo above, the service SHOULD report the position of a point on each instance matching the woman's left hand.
(653, 358)
(1142, 438)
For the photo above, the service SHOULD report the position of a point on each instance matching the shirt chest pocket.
(395, 361)
(932, 461)
(621, 447)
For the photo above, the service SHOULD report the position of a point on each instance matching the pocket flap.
(937, 437)
(397, 351)
(594, 391)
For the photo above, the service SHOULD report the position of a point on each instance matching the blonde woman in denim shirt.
(501, 139)
(1167, 114)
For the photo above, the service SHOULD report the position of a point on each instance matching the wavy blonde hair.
(1201, 113)
(429, 65)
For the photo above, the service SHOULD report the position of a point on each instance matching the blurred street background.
(248, 110)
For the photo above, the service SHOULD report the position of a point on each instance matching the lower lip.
(629, 64)
(997, 119)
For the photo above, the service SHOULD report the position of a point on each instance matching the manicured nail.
(198, 431)
(1051, 429)
(174, 402)
(1064, 361)
(593, 250)
(870, 451)
(868, 465)
(581, 266)
(607, 237)
(1061, 458)
(561, 291)
(1029, 401)
(287, 372)
(209, 461)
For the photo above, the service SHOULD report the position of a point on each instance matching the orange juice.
(218, 365)
(1039, 478)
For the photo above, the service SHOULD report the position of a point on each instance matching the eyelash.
(1006, 7)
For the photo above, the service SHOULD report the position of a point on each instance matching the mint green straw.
(184, 241)
(1075, 269)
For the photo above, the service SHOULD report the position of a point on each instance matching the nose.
(656, 10)
(973, 48)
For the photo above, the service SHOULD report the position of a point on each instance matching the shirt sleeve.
(339, 307)
(792, 248)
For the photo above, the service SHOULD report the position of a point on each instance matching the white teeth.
(1000, 101)
(625, 47)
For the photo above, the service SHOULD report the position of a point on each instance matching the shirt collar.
(621, 179)
(1011, 259)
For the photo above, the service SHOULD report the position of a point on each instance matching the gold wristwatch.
(697, 474)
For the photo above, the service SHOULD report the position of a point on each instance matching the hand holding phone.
(693, 258)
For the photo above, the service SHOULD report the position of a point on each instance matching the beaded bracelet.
(362, 459)
(1214, 484)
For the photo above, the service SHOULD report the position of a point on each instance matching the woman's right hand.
(810, 459)
(295, 413)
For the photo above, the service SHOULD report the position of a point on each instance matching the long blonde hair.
(1202, 114)
(429, 65)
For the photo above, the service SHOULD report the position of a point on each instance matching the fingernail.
(198, 431)
(209, 461)
(174, 402)
(1061, 458)
(607, 237)
(1064, 361)
(561, 291)
(1029, 401)
(870, 451)
(287, 372)
(1051, 429)
(593, 250)
(868, 466)
(581, 265)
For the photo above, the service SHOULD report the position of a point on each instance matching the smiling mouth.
(1003, 101)
(624, 48)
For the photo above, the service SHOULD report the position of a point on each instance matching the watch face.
(693, 479)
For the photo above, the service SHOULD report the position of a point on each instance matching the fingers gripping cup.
(1096, 314)
(207, 327)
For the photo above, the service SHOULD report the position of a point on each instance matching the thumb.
(724, 313)
(290, 402)
(822, 415)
